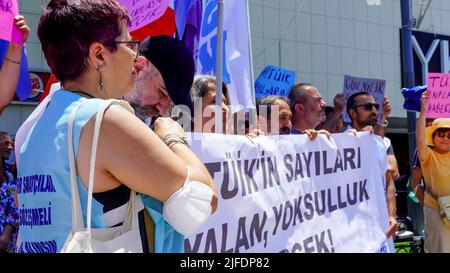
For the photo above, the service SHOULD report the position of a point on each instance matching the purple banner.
(143, 12)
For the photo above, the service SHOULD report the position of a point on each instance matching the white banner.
(290, 194)
(237, 57)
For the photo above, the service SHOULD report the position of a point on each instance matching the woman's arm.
(130, 153)
(420, 128)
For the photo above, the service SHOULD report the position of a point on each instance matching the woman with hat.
(435, 162)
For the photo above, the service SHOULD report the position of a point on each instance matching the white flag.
(237, 57)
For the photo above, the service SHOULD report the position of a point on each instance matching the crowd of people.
(141, 146)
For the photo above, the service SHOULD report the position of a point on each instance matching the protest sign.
(438, 101)
(143, 12)
(8, 31)
(290, 194)
(274, 81)
(373, 86)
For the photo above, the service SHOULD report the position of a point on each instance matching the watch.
(384, 123)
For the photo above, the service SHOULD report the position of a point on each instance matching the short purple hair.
(69, 27)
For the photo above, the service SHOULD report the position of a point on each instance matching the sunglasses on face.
(442, 133)
(368, 106)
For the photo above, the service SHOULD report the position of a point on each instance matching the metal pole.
(408, 72)
(252, 114)
(219, 63)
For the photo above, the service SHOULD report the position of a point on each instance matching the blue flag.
(23, 90)
(412, 97)
(181, 9)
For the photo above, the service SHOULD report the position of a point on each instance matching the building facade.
(321, 40)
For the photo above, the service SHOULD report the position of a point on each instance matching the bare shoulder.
(117, 114)
(119, 119)
(122, 129)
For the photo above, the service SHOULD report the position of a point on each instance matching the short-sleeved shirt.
(390, 149)
(436, 171)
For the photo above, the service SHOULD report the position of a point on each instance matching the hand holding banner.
(438, 102)
(8, 31)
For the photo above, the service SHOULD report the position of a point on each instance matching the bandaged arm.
(191, 205)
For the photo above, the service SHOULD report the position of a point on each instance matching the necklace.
(82, 93)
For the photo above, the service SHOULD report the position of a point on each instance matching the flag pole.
(252, 114)
(219, 65)
(408, 71)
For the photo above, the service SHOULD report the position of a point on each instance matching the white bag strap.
(130, 220)
(77, 222)
(98, 123)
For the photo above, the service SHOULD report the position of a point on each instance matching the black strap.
(82, 93)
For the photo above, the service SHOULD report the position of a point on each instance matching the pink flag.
(8, 31)
(143, 12)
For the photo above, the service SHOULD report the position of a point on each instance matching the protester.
(378, 129)
(435, 165)
(94, 64)
(8, 211)
(264, 107)
(165, 73)
(308, 109)
(10, 68)
(333, 122)
(164, 61)
(363, 113)
(203, 95)
(330, 114)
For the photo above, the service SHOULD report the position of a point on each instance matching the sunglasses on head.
(368, 106)
(442, 132)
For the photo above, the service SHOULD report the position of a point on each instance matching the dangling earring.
(100, 82)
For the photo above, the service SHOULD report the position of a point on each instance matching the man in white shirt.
(363, 112)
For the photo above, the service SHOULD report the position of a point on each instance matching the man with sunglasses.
(363, 112)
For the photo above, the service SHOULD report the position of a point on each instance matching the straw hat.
(437, 123)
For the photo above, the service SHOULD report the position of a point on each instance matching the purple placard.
(438, 101)
(143, 12)
(374, 87)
